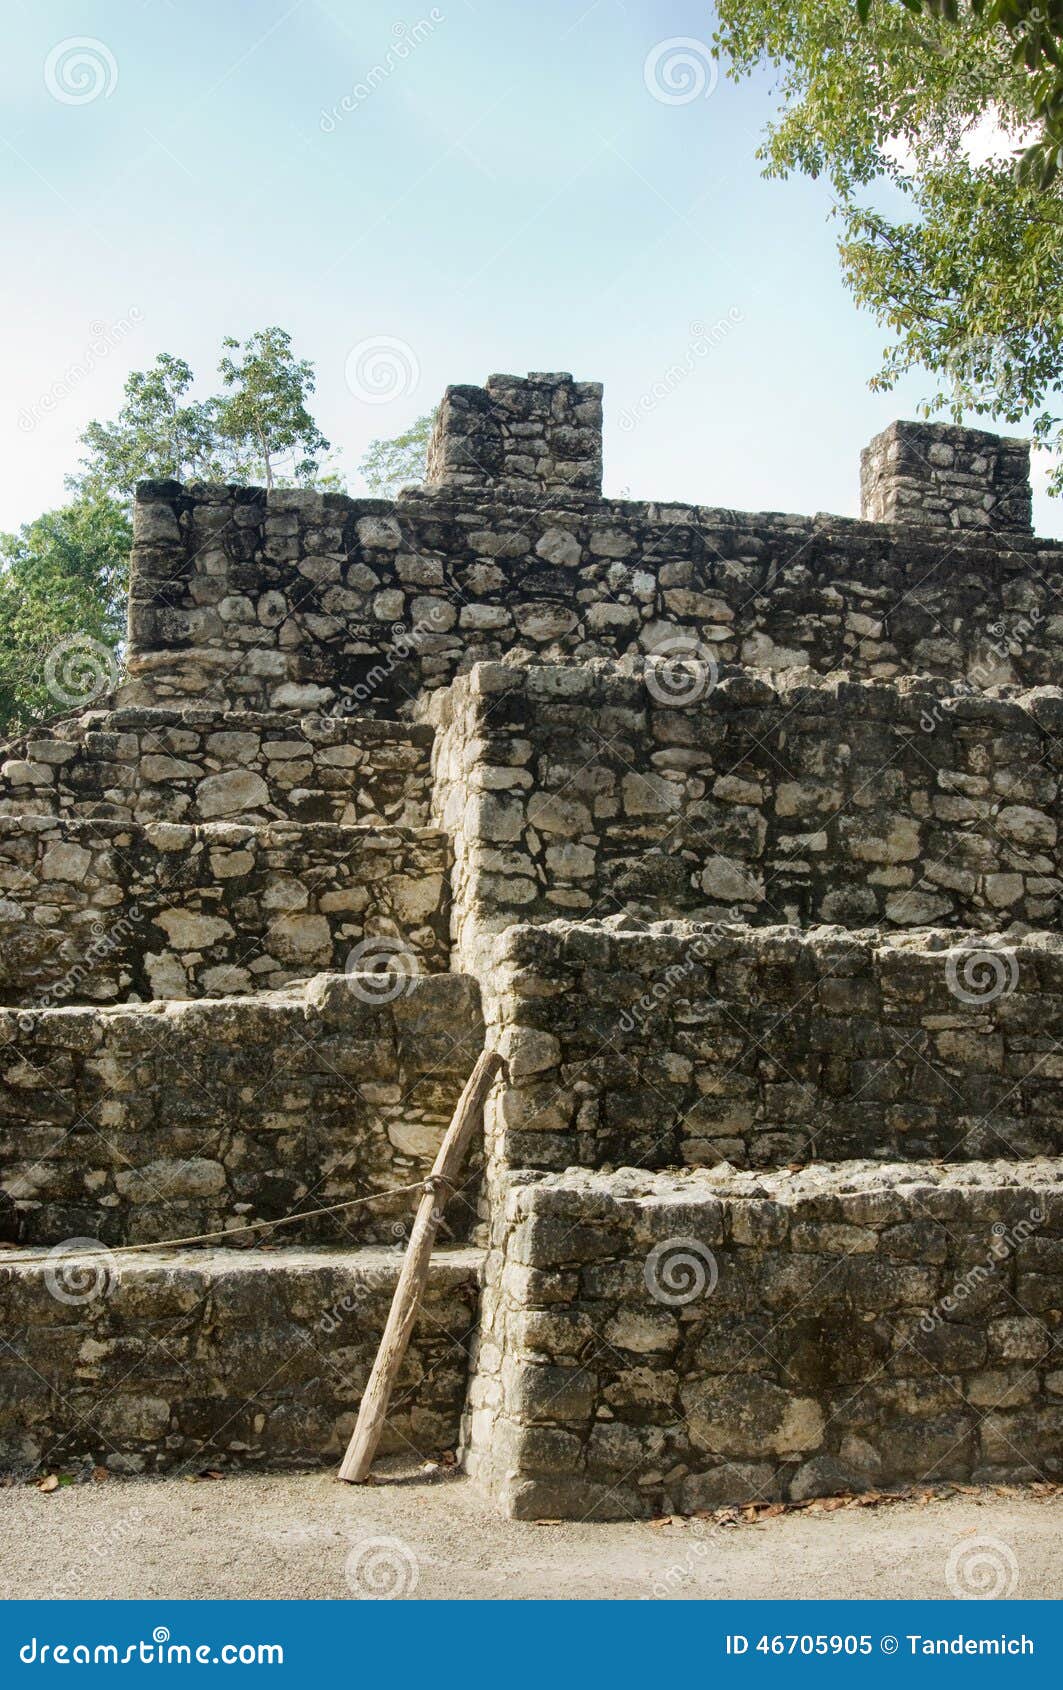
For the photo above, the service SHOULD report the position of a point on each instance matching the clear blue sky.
(509, 196)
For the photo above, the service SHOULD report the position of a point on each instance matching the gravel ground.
(305, 1535)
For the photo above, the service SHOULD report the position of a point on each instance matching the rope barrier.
(226, 1232)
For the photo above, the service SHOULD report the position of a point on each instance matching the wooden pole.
(468, 1116)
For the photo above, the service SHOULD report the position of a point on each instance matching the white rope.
(228, 1232)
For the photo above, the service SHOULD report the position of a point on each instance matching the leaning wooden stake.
(408, 1292)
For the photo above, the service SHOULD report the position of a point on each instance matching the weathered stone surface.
(753, 801)
(221, 1357)
(527, 436)
(939, 476)
(683, 1043)
(159, 765)
(659, 746)
(104, 910)
(160, 1121)
(777, 593)
(736, 1401)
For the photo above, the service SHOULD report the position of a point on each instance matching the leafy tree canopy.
(63, 577)
(390, 465)
(264, 414)
(62, 609)
(963, 262)
(158, 434)
(245, 434)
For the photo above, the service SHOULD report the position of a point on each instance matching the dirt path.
(304, 1535)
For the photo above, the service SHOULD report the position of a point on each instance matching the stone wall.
(207, 1358)
(659, 1343)
(308, 601)
(686, 791)
(693, 1045)
(209, 765)
(102, 910)
(950, 478)
(522, 436)
(159, 1121)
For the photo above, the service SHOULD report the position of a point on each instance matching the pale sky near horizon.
(424, 196)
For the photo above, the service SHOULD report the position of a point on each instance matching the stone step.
(185, 1360)
(655, 1343)
(212, 764)
(152, 1121)
(94, 911)
(688, 791)
(691, 1044)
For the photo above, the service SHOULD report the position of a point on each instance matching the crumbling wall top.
(534, 434)
(939, 476)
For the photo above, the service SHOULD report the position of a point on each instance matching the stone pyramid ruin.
(736, 834)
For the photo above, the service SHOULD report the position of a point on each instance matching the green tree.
(265, 414)
(1036, 31)
(63, 577)
(390, 465)
(953, 249)
(158, 434)
(62, 609)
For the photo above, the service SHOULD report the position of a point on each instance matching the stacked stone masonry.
(690, 1045)
(153, 1121)
(858, 1328)
(293, 601)
(950, 478)
(738, 836)
(102, 910)
(537, 435)
(203, 765)
(576, 789)
(214, 1357)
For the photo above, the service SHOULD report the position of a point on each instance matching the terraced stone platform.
(683, 790)
(738, 835)
(211, 1357)
(201, 765)
(690, 1044)
(108, 910)
(162, 1120)
(663, 1342)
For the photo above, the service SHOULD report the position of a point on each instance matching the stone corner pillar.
(533, 435)
(936, 476)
